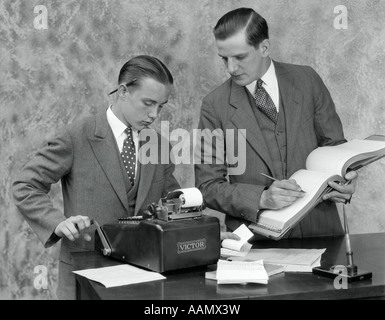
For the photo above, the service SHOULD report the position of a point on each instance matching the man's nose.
(232, 66)
(154, 113)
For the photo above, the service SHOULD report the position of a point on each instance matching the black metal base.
(331, 272)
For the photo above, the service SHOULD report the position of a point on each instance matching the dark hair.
(255, 26)
(144, 66)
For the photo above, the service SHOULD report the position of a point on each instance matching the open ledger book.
(322, 165)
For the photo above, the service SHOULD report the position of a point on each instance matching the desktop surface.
(190, 284)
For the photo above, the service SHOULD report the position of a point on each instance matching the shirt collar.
(269, 78)
(116, 125)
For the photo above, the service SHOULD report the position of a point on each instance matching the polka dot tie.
(129, 155)
(264, 102)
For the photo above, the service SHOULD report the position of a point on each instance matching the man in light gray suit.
(86, 157)
(286, 112)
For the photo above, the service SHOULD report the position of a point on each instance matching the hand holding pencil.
(280, 194)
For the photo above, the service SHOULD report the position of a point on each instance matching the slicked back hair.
(144, 66)
(247, 19)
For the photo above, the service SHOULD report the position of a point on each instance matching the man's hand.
(73, 227)
(229, 235)
(343, 192)
(281, 194)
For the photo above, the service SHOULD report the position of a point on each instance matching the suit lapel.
(292, 102)
(244, 118)
(146, 170)
(103, 145)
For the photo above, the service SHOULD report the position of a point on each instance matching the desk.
(190, 284)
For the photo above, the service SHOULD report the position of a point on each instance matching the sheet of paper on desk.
(119, 275)
(293, 260)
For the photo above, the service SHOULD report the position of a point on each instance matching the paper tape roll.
(192, 196)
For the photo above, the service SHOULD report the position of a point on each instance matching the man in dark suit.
(97, 182)
(285, 111)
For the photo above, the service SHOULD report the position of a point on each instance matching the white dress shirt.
(270, 83)
(118, 128)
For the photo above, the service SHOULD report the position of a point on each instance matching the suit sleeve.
(239, 200)
(327, 123)
(32, 185)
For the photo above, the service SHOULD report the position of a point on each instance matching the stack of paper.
(119, 275)
(293, 260)
(230, 272)
(231, 247)
(271, 269)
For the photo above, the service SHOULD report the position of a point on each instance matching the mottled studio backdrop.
(54, 76)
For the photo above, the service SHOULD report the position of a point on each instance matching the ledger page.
(333, 158)
(313, 183)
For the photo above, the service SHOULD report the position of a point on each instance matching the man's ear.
(122, 91)
(264, 48)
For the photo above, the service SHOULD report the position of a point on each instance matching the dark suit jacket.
(85, 157)
(311, 121)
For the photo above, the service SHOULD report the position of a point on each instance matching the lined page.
(310, 181)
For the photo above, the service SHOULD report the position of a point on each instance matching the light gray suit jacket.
(85, 157)
(311, 121)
